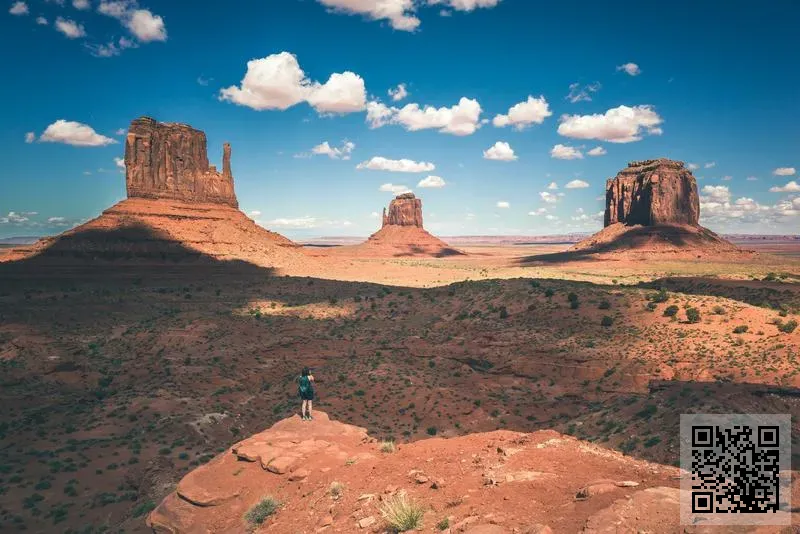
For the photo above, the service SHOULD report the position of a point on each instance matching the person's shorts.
(307, 396)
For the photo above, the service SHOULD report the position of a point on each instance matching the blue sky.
(713, 87)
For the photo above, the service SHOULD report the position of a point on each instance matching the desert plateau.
(507, 346)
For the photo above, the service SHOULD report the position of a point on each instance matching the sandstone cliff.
(169, 161)
(404, 210)
(652, 192)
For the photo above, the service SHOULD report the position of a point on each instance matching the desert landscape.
(153, 345)
(510, 245)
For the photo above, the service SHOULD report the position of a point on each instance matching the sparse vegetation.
(606, 321)
(387, 446)
(402, 513)
(671, 311)
(261, 511)
(693, 315)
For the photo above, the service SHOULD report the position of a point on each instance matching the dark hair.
(305, 371)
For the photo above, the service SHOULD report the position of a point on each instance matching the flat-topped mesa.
(652, 192)
(170, 161)
(404, 210)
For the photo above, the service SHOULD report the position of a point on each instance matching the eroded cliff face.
(169, 161)
(651, 193)
(404, 210)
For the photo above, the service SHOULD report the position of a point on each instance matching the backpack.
(305, 386)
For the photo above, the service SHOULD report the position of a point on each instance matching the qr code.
(736, 469)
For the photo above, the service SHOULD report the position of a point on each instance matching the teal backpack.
(305, 386)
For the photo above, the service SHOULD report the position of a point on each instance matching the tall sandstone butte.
(651, 193)
(170, 161)
(404, 210)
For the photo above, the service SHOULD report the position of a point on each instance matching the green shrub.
(741, 329)
(670, 311)
(401, 513)
(572, 297)
(549, 292)
(661, 296)
(719, 310)
(787, 327)
(651, 306)
(693, 315)
(606, 321)
(261, 511)
(432, 430)
(444, 524)
(143, 509)
(604, 305)
(574, 304)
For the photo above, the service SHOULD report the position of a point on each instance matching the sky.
(504, 116)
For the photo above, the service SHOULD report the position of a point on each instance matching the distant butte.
(653, 206)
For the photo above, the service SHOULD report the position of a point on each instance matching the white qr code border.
(717, 487)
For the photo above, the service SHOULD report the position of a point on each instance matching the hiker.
(306, 390)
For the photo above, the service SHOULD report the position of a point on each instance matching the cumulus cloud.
(41, 21)
(326, 149)
(379, 163)
(537, 212)
(19, 8)
(784, 171)
(111, 48)
(394, 189)
(278, 82)
(582, 94)
(56, 220)
(692, 166)
(296, 223)
(399, 92)
(465, 5)
(791, 187)
(552, 186)
(142, 23)
(597, 151)
(70, 28)
(622, 124)
(710, 165)
(630, 68)
(460, 119)
(81, 5)
(119, 162)
(522, 115)
(74, 133)
(432, 182)
(550, 198)
(399, 13)
(715, 194)
(577, 184)
(565, 152)
(30, 137)
(502, 204)
(500, 151)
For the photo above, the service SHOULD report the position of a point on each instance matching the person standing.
(306, 391)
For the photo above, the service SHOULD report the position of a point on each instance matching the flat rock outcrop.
(332, 477)
(652, 192)
(404, 210)
(170, 161)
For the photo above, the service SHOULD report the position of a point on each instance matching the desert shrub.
(719, 310)
(787, 327)
(661, 296)
(143, 509)
(606, 321)
(549, 292)
(670, 311)
(741, 329)
(771, 277)
(401, 513)
(336, 490)
(604, 305)
(651, 306)
(261, 511)
(574, 304)
(572, 297)
(387, 446)
(693, 315)
(432, 430)
(535, 283)
(444, 524)
(503, 312)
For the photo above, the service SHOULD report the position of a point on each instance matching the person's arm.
(311, 377)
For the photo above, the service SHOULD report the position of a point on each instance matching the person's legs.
(310, 404)
(303, 409)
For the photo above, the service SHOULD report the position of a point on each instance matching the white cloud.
(752, 179)
(119, 162)
(552, 186)
(623, 124)
(727, 178)
(41, 21)
(70, 28)
(550, 198)
(582, 94)
(398, 93)
(502, 204)
(379, 163)
(432, 182)
(30, 137)
(399, 13)
(540, 211)
(565, 152)
(715, 194)
(710, 165)
(551, 217)
(16, 218)
(254, 213)
(791, 187)
(394, 189)
(81, 5)
(630, 68)
(522, 115)
(692, 166)
(460, 119)
(56, 220)
(334, 153)
(278, 82)
(75, 134)
(111, 49)
(465, 5)
(121, 131)
(500, 151)
(142, 23)
(784, 171)
(577, 184)
(597, 151)
(19, 8)
(297, 223)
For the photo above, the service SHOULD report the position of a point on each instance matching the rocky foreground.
(332, 477)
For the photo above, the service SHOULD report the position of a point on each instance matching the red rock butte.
(178, 207)
(402, 234)
(653, 206)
